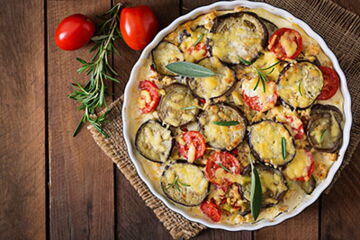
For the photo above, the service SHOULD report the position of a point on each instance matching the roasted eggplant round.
(299, 84)
(271, 143)
(178, 106)
(324, 128)
(308, 186)
(184, 183)
(273, 185)
(215, 86)
(164, 54)
(153, 141)
(270, 26)
(238, 35)
(223, 126)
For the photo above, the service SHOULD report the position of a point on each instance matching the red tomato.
(331, 83)
(296, 126)
(197, 48)
(149, 96)
(214, 162)
(310, 168)
(291, 37)
(138, 26)
(74, 32)
(210, 209)
(195, 139)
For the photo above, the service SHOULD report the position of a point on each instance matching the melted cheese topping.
(299, 166)
(164, 54)
(266, 139)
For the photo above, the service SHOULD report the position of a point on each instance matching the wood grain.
(81, 176)
(134, 219)
(22, 120)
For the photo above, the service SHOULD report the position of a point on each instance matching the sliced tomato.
(286, 43)
(296, 125)
(224, 160)
(197, 48)
(258, 97)
(195, 140)
(331, 83)
(149, 96)
(210, 209)
(311, 168)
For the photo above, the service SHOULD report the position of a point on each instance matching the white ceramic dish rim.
(347, 111)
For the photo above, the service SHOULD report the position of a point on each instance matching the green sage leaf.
(188, 69)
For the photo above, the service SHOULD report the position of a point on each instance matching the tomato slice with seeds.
(331, 83)
(149, 96)
(311, 168)
(286, 43)
(258, 97)
(195, 140)
(210, 209)
(224, 160)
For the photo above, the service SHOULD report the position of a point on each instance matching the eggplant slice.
(215, 86)
(271, 27)
(238, 35)
(153, 141)
(324, 128)
(222, 137)
(184, 183)
(273, 185)
(174, 105)
(266, 142)
(164, 54)
(308, 186)
(299, 84)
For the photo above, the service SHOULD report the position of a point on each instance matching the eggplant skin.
(187, 192)
(295, 89)
(270, 140)
(269, 198)
(163, 54)
(308, 186)
(320, 118)
(223, 36)
(216, 86)
(170, 109)
(270, 26)
(224, 138)
(143, 149)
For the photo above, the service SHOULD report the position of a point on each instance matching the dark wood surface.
(54, 186)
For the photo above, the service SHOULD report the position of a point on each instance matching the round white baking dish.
(132, 83)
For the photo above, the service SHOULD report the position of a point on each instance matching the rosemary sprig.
(175, 184)
(223, 167)
(226, 123)
(299, 87)
(322, 136)
(91, 96)
(189, 108)
(283, 147)
(198, 40)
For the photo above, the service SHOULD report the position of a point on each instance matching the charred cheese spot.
(265, 139)
(164, 54)
(154, 141)
(184, 183)
(215, 86)
(300, 84)
(240, 35)
(222, 137)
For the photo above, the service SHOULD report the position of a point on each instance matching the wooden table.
(55, 186)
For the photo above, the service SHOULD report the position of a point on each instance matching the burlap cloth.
(340, 29)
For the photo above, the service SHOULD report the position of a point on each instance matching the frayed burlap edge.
(325, 17)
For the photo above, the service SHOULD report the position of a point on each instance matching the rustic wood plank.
(81, 176)
(22, 135)
(134, 219)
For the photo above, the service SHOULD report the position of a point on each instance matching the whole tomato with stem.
(73, 32)
(138, 26)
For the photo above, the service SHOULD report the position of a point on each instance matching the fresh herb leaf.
(257, 84)
(263, 79)
(322, 135)
(188, 69)
(283, 147)
(245, 62)
(223, 167)
(175, 184)
(256, 193)
(189, 108)
(271, 66)
(226, 123)
(91, 96)
(184, 184)
(198, 40)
